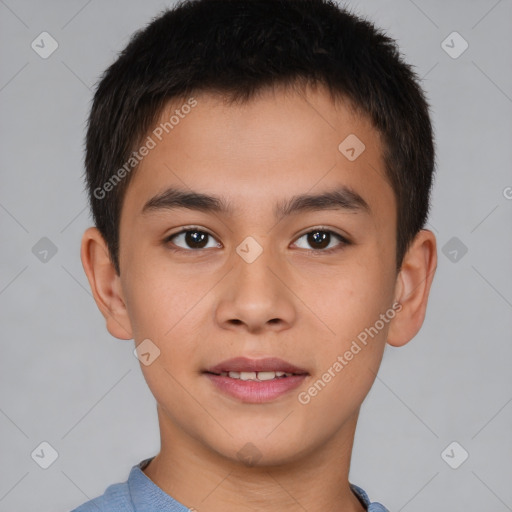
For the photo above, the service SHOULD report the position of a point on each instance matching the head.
(290, 131)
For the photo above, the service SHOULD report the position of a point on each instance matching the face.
(260, 271)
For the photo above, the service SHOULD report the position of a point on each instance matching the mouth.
(255, 380)
(245, 368)
(256, 376)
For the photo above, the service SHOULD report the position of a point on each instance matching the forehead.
(259, 153)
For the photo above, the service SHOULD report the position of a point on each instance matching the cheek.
(353, 298)
(357, 309)
(166, 305)
(350, 357)
(161, 305)
(159, 300)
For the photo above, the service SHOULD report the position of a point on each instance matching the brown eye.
(191, 239)
(320, 240)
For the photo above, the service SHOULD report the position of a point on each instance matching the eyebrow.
(340, 198)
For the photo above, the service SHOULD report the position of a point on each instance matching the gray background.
(66, 381)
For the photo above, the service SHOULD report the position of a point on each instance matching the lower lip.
(256, 392)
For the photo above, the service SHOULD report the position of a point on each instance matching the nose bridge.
(255, 294)
(253, 275)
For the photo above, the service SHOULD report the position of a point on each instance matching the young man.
(259, 173)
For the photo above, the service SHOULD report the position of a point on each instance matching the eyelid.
(184, 229)
(190, 227)
(343, 239)
(327, 229)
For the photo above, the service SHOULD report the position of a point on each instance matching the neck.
(202, 479)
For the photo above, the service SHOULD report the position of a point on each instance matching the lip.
(251, 391)
(254, 392)
(245, 364)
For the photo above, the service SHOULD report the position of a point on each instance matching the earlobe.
(105, 283)
(412, 288)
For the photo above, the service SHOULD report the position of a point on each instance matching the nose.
(256, 296)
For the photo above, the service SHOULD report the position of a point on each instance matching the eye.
(320, 239)
(193, 238)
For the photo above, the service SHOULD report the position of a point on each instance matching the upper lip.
(245, 364)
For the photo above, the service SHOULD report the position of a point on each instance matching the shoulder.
(371, 506)
(116, 498)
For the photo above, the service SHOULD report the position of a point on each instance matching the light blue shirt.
(140, 494)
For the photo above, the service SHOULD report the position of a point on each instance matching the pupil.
(319, 238)
(195, 238)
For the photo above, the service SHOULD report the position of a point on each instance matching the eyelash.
(342, 239)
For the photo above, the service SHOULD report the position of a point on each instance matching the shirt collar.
(146, 495)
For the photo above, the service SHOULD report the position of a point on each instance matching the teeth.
(266, 375)
(257, 376)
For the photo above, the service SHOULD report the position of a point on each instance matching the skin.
(206, 305)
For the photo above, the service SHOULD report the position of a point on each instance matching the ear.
(105, 284)
(412, 288)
